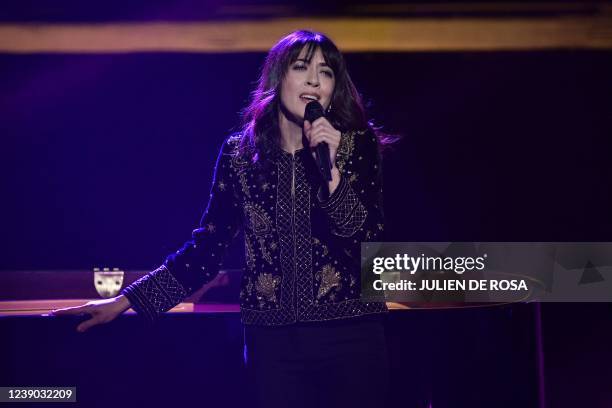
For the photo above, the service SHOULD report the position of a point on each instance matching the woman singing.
(309, 338)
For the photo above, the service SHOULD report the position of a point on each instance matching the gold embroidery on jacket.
(244, 184)
(283, 291)
(329, 278)
(250, 256)
(234, 140)
(259, 221)
(238, 162)
(261, 224)
(345, 149)
(266, 286)
(264, 251)
(249, 287)
(317, 241)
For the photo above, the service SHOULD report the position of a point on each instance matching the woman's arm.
(200, 258)
(354, 207)
(101, 311)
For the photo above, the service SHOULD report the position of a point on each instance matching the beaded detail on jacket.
(302, 253)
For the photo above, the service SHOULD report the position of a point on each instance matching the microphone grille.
(313, 111)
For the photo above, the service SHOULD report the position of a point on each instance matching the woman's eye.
(328, 73)
(299, 67)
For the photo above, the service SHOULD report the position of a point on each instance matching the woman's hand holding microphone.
(322, 131)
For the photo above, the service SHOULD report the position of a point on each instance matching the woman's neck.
(291, 134)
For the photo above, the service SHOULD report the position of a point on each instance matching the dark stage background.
(108, 158)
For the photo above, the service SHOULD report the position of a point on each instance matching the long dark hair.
(260, 135)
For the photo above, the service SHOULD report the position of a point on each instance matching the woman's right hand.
(101, 311)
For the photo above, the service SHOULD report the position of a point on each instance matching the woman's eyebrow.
(323, 64)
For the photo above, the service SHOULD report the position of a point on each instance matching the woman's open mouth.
(308, 98)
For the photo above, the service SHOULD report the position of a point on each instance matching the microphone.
(314, 111)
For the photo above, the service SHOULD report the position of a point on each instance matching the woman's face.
(307, 81)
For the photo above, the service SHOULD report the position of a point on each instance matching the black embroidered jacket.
(302, 254)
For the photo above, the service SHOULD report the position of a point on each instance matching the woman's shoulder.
(233, 141)
(372, 139)
(233, 150)
(353, 144)
(356, 139)
(232, 145)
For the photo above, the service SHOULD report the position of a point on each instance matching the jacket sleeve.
(200, 258)
(355, 208)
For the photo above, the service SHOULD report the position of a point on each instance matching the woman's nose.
(313, 80)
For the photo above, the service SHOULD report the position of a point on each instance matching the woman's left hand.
(322, 131)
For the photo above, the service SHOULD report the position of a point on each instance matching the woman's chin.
(292, 116)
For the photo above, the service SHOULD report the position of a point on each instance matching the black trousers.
(338, 363)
